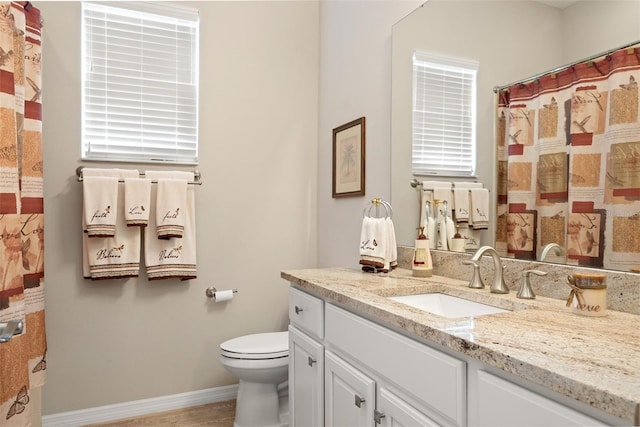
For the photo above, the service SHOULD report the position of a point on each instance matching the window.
(139, 83)
(444, 115)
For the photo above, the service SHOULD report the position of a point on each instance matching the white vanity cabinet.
(306, 359)
(499, 402)
(412, 380)
(349, 394)
(346, 370)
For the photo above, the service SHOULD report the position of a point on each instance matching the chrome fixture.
(557, 249)
(498, 286)
(9, 329)
(476, 281)
(525, 291)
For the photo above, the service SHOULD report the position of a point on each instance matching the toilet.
(261, 363)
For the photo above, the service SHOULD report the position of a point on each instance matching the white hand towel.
(451, 231)
(171, 258)
(100, 199)
(137, 198)
(461, 204)
(391, 258)
(170, 204)
(479, 208)
(428, 216)
(118, 256)
(373, 236)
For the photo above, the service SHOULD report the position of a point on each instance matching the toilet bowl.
(261, 363)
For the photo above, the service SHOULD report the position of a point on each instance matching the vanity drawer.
(306, 312)
(433, 377)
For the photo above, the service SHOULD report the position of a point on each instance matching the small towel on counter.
(171, 258)
(137, 198)
(112, 257)
(100, 201)
(171, 200)
(373, 236)
(479, 219)
(378, 250)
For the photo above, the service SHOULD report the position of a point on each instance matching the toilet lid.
(268, 345)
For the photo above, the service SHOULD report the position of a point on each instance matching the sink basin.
(448, 306)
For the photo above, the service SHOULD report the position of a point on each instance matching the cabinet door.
(306, 380)
(393, 411)
(349, 394)
(503, 403)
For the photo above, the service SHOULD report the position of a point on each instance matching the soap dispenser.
(422, 264)
(458, 243)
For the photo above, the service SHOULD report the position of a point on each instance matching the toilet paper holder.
(211, 292)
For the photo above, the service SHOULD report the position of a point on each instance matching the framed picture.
(348, 159)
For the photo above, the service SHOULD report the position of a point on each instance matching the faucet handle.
(476, 280)
(525, 291)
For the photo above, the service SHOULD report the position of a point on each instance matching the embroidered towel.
(118, 256)
(100, 198)
(137, 196)
(461, 203)
(373, 235)
(461, 200)
(479, 205)
(171, 258)
(170, 205)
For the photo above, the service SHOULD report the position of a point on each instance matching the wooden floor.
(220, 414)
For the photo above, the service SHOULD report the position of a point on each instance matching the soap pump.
(458, 243)
(422, 264)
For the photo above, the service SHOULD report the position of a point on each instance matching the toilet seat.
(270, 345)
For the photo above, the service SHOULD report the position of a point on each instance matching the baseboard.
(137, 408)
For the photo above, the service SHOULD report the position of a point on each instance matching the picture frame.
(348, 173)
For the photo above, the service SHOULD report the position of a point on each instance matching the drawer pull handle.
(298, 309)
(378, 416)
(311, 361)
(359, 401)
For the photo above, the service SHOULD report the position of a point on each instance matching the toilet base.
(261, 409)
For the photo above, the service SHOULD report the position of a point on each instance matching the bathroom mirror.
(512, 41)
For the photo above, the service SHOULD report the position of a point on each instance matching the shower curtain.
(569, 163)
(22, 359)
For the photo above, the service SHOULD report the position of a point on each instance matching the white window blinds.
(139, 83)
(444, 115)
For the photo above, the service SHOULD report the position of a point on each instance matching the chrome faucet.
(498, 286)
(557, 249)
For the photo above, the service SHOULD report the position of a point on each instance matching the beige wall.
(117, 341)
(355, 81)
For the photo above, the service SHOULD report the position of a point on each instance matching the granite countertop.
(594, 360)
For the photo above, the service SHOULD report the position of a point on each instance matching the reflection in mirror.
(513, 40)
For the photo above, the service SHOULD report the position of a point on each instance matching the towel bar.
(9, 329)
(196, 176)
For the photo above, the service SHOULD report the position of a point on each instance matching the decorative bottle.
(422, 264)
(458, 242)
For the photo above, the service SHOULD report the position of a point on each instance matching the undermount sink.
(448, 306)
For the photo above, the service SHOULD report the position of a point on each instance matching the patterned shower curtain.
(569, 163)
(22, 359)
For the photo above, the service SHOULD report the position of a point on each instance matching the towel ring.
(375, 203)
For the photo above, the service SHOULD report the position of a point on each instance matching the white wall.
(355, 81)
(117, 341)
